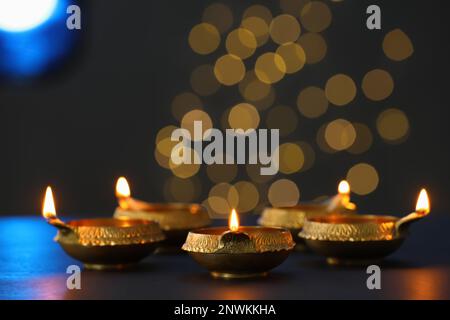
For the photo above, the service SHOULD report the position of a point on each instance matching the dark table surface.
(33, 266)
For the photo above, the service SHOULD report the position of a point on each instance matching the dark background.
(83, 126)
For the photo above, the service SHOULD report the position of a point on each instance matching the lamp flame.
(122, 188)
(344, 187)
(233, 222)
(48, 208)
(423, 203)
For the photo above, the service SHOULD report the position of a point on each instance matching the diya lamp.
(103, 243)
(360, 239)
(239, 252)
(293, 218)
(175, 219)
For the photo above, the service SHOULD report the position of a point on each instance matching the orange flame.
(233, 221)
(122, 188)
(423, 203)
(48, 208)
(344, 187)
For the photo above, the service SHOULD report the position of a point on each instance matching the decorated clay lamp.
(293, 218)
(239, 252)
(175, 219)
(360, 239)
(103, 243)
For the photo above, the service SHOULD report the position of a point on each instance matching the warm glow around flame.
(122, 188)
(423, 203)
(48, 208)
(233, 222)
(344, 187)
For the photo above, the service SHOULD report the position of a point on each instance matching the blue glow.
(37, 50)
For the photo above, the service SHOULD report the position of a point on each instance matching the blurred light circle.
(183, 103)
(203, 81)
(164, 132)
(221, 172)
(377, 85)
(254, 173)
(340, 89)
(185, 170)
(196, 115)
(321, 141)
(314, 46)
(259, 27)
(229, 69)
(23, 15)
(243, 116)
(218, 15)
(253, 89)
(283, 118)
(312, 102)
(248, 196)
(223, 197)
(393, 125)
(284, 28)
(204, 38)
(340, 134)
(293, 7)
(315, 16)
(291, 158)
(182, 190)
(270, 67)
(397, 46)
(258, 11)
(241, 42)
(309, 155)
(283, 193)
(293, 55)
(363, 178)
(363, 139)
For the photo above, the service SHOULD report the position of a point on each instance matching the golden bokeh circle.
(293, 55)
(377, 84)
(203, 81)
(164, 132)
(321, 141)
(363, 178)
(185, 170)
(243, 116)
(292, 158)
(340, 134)
(312, 102)
(229, 69)
(196, 115)
(258, 11)
(222, 172)
(248, 196)
(270, 67)
(162, 160)
(316, 16)
(393, 125)
(314, 45)
(259, 27)
(340, 89)
(223, 197)
(363, 141)
(182, 190)
(204, 38)
(254, 173)
(284, 29)
(218, 15)
(308, 154)
(252, 89)
(241, 42)
(283, 193)
(183, 103)
(397, 46)
(293, 7)
(282, 118)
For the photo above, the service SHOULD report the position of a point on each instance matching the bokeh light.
(393, 125)
(377, 85)
(363, 178)
(183, 103)
(203, 80)
(196, 115)
(314, 45)
(270, 67)
(340, 134)
(248, 196)
(340, 89)
(312, 102)
(221, 172)
(185, 170)
(316, 16)
(252, 89)
(204, 38)
(241, 42)
(258, 11)
(293, 56)
(284, 29)
(283, 118)
(397, 46)
(259, 27)
(283, 193)
(182, 190)
(363, 139)
(293, 7)
(229, 69)
(291, 158)
(218, 15)
(243, 116)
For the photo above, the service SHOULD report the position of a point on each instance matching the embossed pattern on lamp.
(239, 252)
